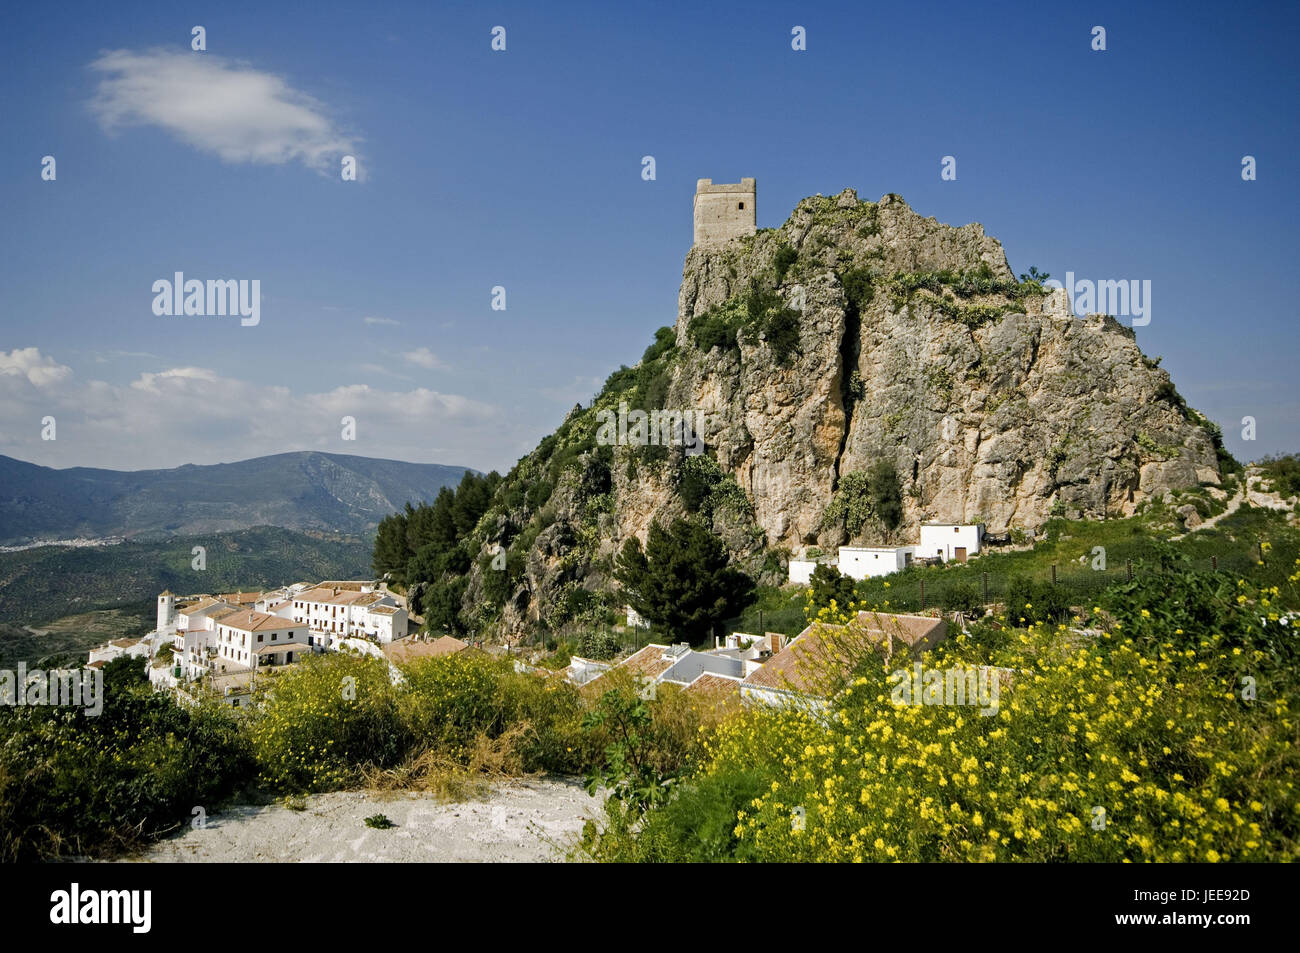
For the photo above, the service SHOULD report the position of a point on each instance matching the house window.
(956, 529)
(259, 636)
(273, 636)
(741, 205)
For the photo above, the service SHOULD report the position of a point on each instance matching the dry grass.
(486, 761)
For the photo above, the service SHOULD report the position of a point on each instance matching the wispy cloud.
(385, 321)
(229, 109)
(423, 357)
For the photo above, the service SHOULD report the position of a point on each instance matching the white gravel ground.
(528, 821)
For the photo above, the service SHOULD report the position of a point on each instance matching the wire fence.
(965, 586)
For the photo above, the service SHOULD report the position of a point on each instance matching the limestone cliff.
(856, 333)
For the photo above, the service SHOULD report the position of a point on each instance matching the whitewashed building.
(862, 562)
(340, 610)
(951, 542)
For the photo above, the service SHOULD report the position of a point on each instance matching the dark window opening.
(741, 205)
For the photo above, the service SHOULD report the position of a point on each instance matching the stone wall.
(724, 211)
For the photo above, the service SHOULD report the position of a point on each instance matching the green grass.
(1068, 545)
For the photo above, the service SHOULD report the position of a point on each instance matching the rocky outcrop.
(858, 337)
(1005, 420)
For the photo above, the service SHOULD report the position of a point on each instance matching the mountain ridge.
(298, 490)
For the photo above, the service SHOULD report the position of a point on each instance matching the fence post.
(1053, 573)
(1128, 565)
(986, 588)
(922, 593)
(1214, 563)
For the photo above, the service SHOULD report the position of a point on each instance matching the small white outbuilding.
(863, 562)
(951, 542)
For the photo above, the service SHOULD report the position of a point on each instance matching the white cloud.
(28, 363)
(228, 109)
(386, 321)
(172, 416)
(423, 357)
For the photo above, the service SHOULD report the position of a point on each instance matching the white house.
(136, 648)
(340, 610)
(950, 541)
(254, 639)
(861, 562)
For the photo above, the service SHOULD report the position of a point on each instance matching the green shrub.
(598, 645)
(785, 257)
(75, 784)
(963, 597)
(318, 722)
(1030, 602)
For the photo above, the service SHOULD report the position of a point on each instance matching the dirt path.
(1234, 504)
(1247, 491)
(527, 821)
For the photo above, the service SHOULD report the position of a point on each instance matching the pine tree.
(682, 581)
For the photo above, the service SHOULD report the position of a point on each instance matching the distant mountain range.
(304, 491)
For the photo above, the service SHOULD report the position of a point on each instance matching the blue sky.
(522, 169)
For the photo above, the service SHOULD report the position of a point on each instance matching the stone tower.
(723, 212)
(166, 613)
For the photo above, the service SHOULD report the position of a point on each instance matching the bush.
(317, 723)
(598, 645)
(74, 784)
(864, 496)
(1192, 774)
(781, 331)
(829, 585)
(719, 326)
(1033, 602)
(963, 597)
(785, 257)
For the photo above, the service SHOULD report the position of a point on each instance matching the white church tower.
(167, 613)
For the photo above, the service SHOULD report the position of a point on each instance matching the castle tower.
(167, 613)
(724, 212)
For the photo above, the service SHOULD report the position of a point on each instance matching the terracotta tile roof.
(250, 620)
(339, 597)
(385, 610)
(200, 606)
(124, 643)
(241, 598)
(268, 647)
(714, 686)
(912, 629)
(651, 662)
(822, 656)
(408, 651)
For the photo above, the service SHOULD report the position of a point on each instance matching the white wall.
(801, 570)
(942, 539)
(863, 562)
